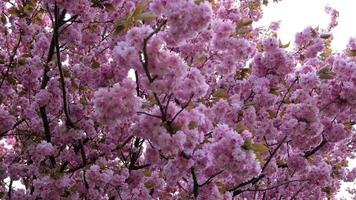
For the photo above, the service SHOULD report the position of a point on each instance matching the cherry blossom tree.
(170, 99)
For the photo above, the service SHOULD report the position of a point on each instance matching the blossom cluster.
(163, 99)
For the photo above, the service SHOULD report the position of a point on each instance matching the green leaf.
(145, 16)
(220, 94)
(192, 125)
(247, 144)
(21, 61)
(244, 22)
(256, 148)
(57, 175)
(3, 19)
(243, 73)
(272, 113)
(351, 52)
(147, 172)
(94, 64)
(275, 91)
(281, 163)
(66, 73)
(11, 80)
(177, 126)
(28, 8)
(14, 11)
(139, 8)
(2, 59)
(259, 148)
(109, 7)
(281, 45)
(149, 184)
(119, 26)
(240, 127)
(326, 73)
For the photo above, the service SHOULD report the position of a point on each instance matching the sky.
(295, 15)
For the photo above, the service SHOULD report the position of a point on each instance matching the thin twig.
(195, 183)
(58, 23)
(285, 95)
(12, 59)
(309, 153)
(273, 153)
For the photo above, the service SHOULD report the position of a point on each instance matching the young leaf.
(109, 7)
(326, 74)
(259, 147)
(146, 16)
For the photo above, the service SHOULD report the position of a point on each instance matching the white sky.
(295, 15)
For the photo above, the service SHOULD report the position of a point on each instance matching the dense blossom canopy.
(170, 99)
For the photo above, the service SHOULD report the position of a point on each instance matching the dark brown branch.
(74, 169)
(254, 180)
(63, 166)
(140, 167)
(294, 197)
(82, 152)
(45, 79)
(85, 179)
(210, 178)
(195, 183)
(237, 192)
(285, 95)
(13, 127)
(124, 143)
(309, 153)
(137, 84)
(58, 23)
(9, 194)
(168, 101)
(11, 61)
(144, 60)
(148, 114)
(134, 156)
(183, 108)
(273, 153)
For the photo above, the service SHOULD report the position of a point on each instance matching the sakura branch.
(254, 180)
(285, 95)
(11, 61)
(196, 185)
(58, 23)
(312, 151)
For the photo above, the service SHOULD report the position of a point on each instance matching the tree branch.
(285, 95)
(254, 180)
(273, 153)
(13, 127)
(144, 60)
(45, 79)
(58, 23)
(195, 183)
(309, 153)
(9, 194)
(11, 61)
(210, 178)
